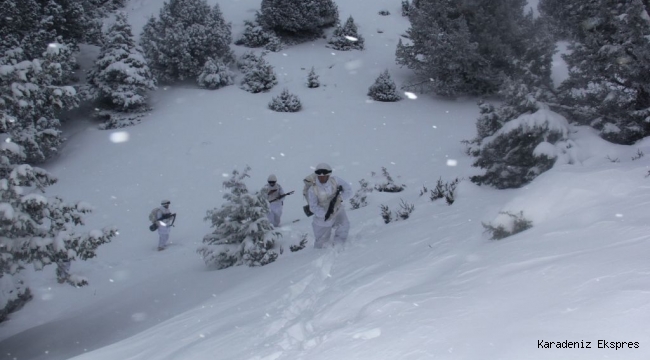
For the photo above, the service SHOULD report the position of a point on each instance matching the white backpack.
(153, 215)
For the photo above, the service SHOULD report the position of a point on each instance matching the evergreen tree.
(249, 60)
(298, 17)
(312, 79)
(255, 35)
(30, 97)
(609, 70)
(260, 77)
(475, 45)
(384, 89)
(215, 74)
(35, 229)
(121, 76)
(285, 102)
(347, 37)
(242, 233)
(186, 34)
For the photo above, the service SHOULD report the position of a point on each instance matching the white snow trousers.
(163, 235)
(275, 213)
(323, 230)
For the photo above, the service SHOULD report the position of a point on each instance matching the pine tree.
(347, 37)
(609, 70)
(448, 63)
(242, 233)
(255, 35)
(215, 74)
(121, 76)
(384, 89)
(298, 17)
(31, 96)
(35, 229)
(186, 34)
(312, 79)
(474, 47)
(285, 102)
(260, 77)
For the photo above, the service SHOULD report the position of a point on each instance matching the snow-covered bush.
(360, 196)
(298, 17)
(259, 77)
(242, 233)
(521, 149)
(312, 79)
(184, 36)
(285, 102)
(255, 35)
(346, 37)
(516, 223)
(384, 89)
(388, 185)
(214, 75)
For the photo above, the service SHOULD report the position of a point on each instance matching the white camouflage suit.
(319, 196)
(271, 193)
(163, 227)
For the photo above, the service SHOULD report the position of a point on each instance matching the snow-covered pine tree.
(298, 17)
(346, 37)
(242, 234)
(312, 79)
(215, 74)
(475, 46)
(249, 60)
(255, 35)
(30, 97)
(609, 65)
(185, 35)
(285, 102)
(510, 138)
(260, 77)
(121, 77)
(384, 88)
(35, 229)
(447, 64)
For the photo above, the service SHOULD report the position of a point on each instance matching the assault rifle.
(154, 226)
(281, 196)
(330, 209)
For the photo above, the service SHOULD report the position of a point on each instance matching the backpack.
(153, 215)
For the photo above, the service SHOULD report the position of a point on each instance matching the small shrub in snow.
(424, 190)
(384, 89)
(386, 214)
(301, 245)
(359, 199)
(285, 102)
(518, 224)
(639, 154)
(346, 37)
(384, 12)
(312, 79)
(215, 74)
(405, 210)
(388, 185)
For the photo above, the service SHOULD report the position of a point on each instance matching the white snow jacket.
(271, 193)
(320, 196)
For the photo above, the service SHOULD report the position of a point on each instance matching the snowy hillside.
(430, 287)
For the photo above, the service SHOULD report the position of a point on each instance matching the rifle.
(330, 209)
(281, 196)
